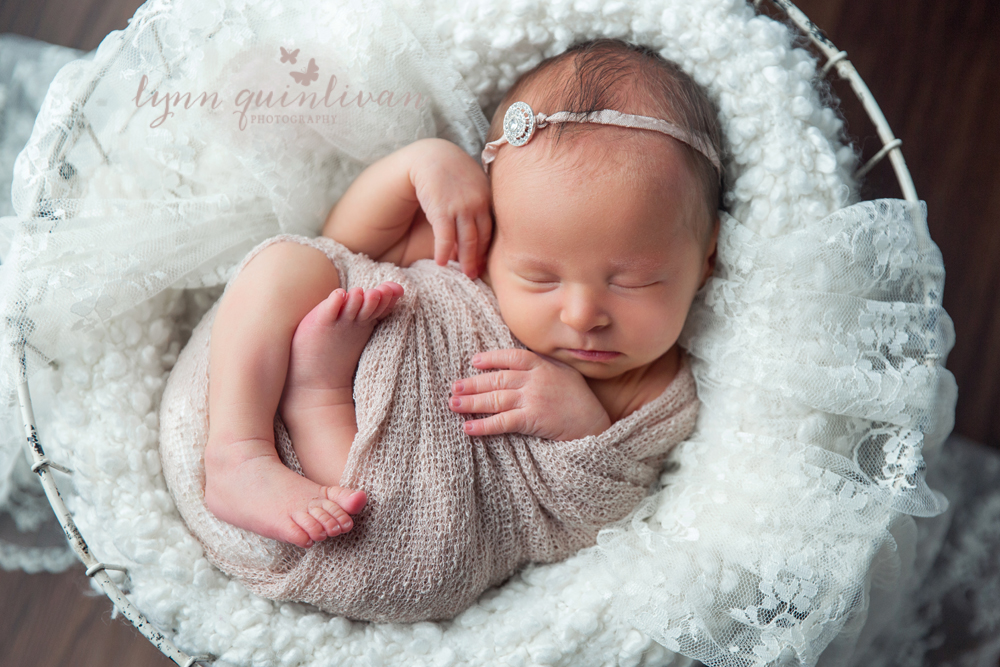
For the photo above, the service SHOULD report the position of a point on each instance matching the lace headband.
(520, 121)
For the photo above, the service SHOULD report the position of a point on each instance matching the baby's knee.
(285, 278)
(288, 264)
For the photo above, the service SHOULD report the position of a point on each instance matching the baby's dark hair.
(613, 74)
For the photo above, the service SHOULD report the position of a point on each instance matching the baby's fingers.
(444, 241)
(505, 422)
(479, 384)
(512, 358)
(494, 401)
(468, 245)
(484, 226)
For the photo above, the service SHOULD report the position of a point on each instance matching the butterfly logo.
(287, 57)
(311, 73)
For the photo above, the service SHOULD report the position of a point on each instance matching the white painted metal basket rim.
(835, 59)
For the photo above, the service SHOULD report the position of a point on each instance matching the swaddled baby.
(604, 201)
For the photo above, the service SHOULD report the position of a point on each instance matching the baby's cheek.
(521, 310)
(514, 311)
(657, 329)
(523, 325)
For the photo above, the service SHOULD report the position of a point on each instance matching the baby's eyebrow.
(530, 261)
(638, 264)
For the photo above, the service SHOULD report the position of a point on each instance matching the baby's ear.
(711, 252)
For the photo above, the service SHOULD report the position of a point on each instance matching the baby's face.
(596, 266)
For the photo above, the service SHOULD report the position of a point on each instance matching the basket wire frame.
(42, 466)
(96, 570)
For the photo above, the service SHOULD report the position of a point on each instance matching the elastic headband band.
(520, 121)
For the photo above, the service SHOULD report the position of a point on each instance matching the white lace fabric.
(818, 347)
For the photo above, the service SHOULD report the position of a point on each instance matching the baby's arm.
(533, 395)
(427, 200)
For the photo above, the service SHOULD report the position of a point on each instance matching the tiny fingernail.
(468, 427)
(455, 402)
(459, 386)
(476, 359)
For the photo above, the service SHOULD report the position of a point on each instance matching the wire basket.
(835, 59)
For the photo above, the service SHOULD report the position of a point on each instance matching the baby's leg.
(245, 482)
(318, 402)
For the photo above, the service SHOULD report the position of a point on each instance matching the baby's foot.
(282, 505)
(328, 343)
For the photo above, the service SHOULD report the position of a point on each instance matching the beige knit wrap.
(448, 515)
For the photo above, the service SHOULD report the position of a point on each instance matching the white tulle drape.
(819, 344)
(30, 537)
(117, 201)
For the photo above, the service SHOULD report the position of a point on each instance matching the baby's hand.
(536, 396)
(454, 193)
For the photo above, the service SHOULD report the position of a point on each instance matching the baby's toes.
(391, 288)
(333, 304)
(343, 518)
(325, 512)
(325, 313)
(312, 527)
(293, 533)
(329, 308)
(347, 499)
(373, 298)
(390, 295)
(341, 521)
(352, 304)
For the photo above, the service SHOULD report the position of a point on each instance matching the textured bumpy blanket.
(448, 515)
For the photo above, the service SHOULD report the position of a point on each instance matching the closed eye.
(539, 280)
(635, 287)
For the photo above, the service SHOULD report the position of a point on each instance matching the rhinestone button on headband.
(518, 124)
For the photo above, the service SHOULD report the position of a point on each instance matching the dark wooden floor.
(933, 67)
(55, 620)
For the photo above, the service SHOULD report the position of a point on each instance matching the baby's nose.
(582, 311)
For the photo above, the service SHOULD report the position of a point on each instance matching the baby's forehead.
(601, 155)
(640, 189)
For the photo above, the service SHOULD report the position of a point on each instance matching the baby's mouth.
(593, 355)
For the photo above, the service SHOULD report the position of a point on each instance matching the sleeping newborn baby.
(447, 430)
